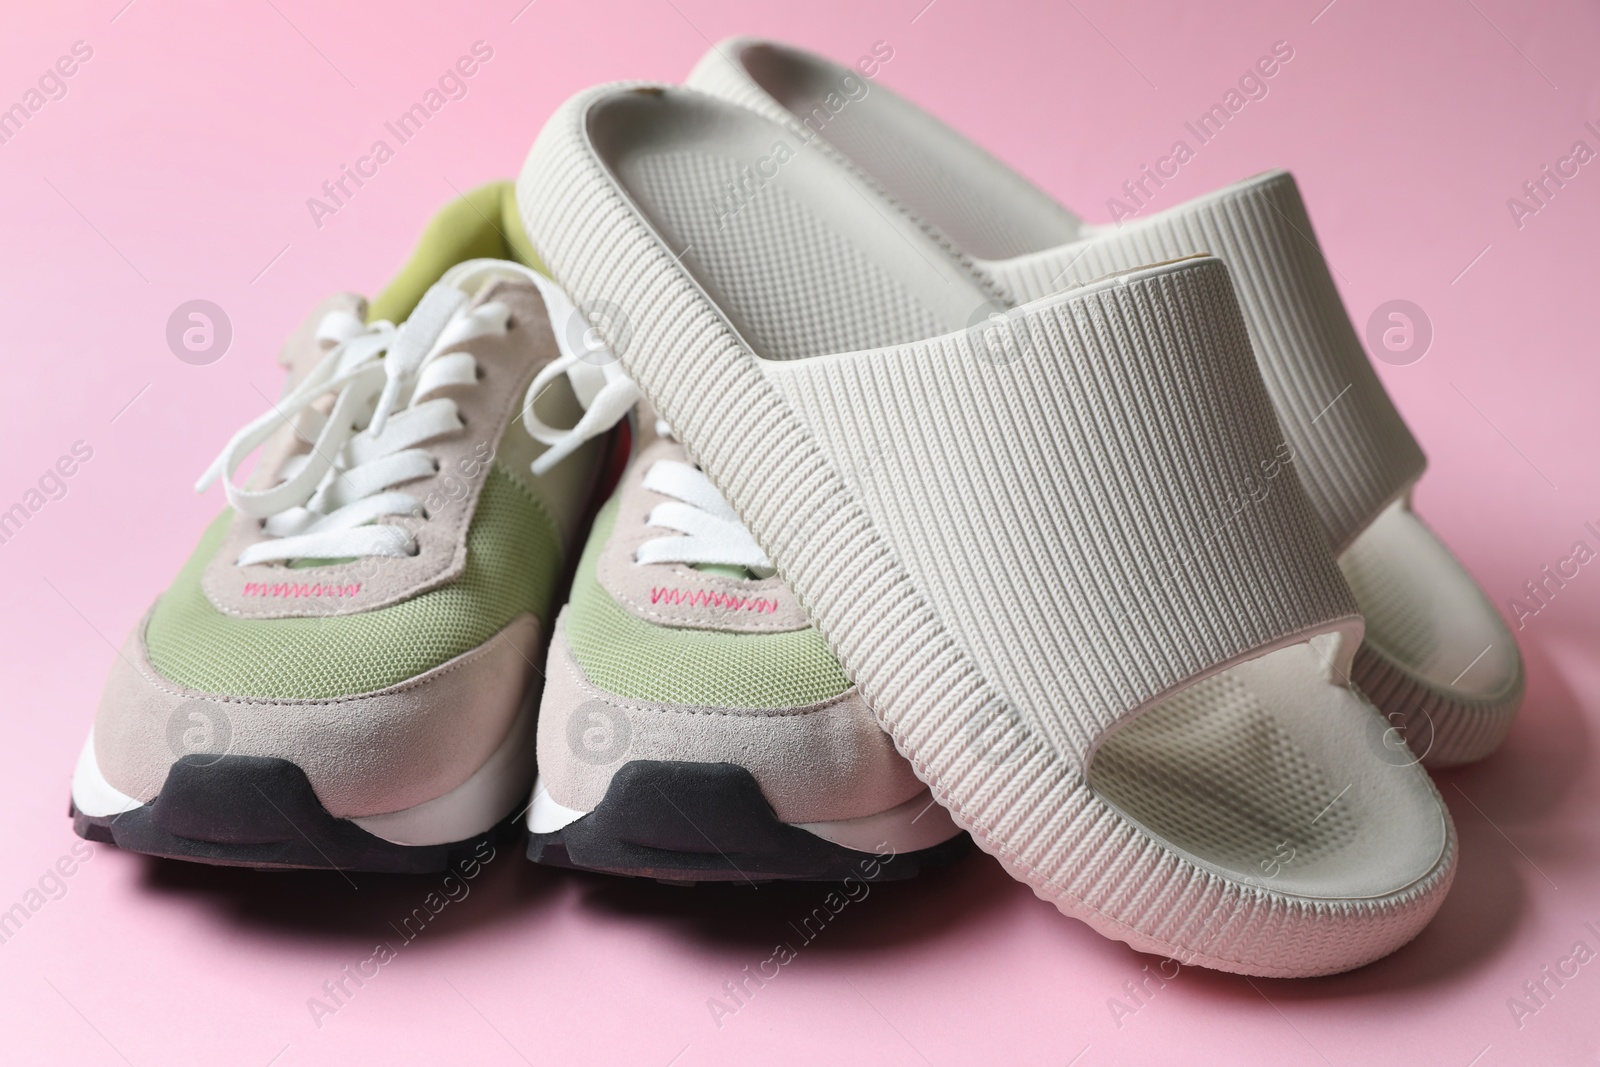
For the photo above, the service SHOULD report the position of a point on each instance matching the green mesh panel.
(513, 566)
(630, 657)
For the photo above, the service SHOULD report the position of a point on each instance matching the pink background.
(178, 166)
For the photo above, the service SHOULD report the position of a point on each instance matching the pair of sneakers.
(349, 671)
(1087, 519)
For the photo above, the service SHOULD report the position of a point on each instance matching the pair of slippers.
(1110, 524)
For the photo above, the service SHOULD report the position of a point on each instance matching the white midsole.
(545, 814)
(916, 824)
(465, 811)
(476, 804)
(91, 793)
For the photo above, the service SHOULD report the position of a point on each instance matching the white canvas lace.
(607, 395)
(706, 529)
(328, 503)
(709, 531)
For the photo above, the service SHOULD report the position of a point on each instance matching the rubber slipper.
(1438, 659)
(1055, 553)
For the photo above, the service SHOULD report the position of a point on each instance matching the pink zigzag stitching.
(299, 589)
(702, 598)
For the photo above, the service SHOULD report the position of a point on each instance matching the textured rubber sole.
(1438, 659)
(709, 822)
(258, 811)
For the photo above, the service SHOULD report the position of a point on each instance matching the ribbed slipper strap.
(1087, 501)
(1354, 453)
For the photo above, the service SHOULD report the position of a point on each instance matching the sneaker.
(343, 674)
(695, 726)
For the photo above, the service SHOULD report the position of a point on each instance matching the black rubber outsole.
(710, 822)
(258, 811)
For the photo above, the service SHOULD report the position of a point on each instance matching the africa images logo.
(1252, 86)
(50, 486)
(451, 85)
(50, 86)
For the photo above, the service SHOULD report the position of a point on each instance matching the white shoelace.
(383, 378)
(328, 502)
(708, 532)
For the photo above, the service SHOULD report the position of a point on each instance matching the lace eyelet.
(414, 549)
